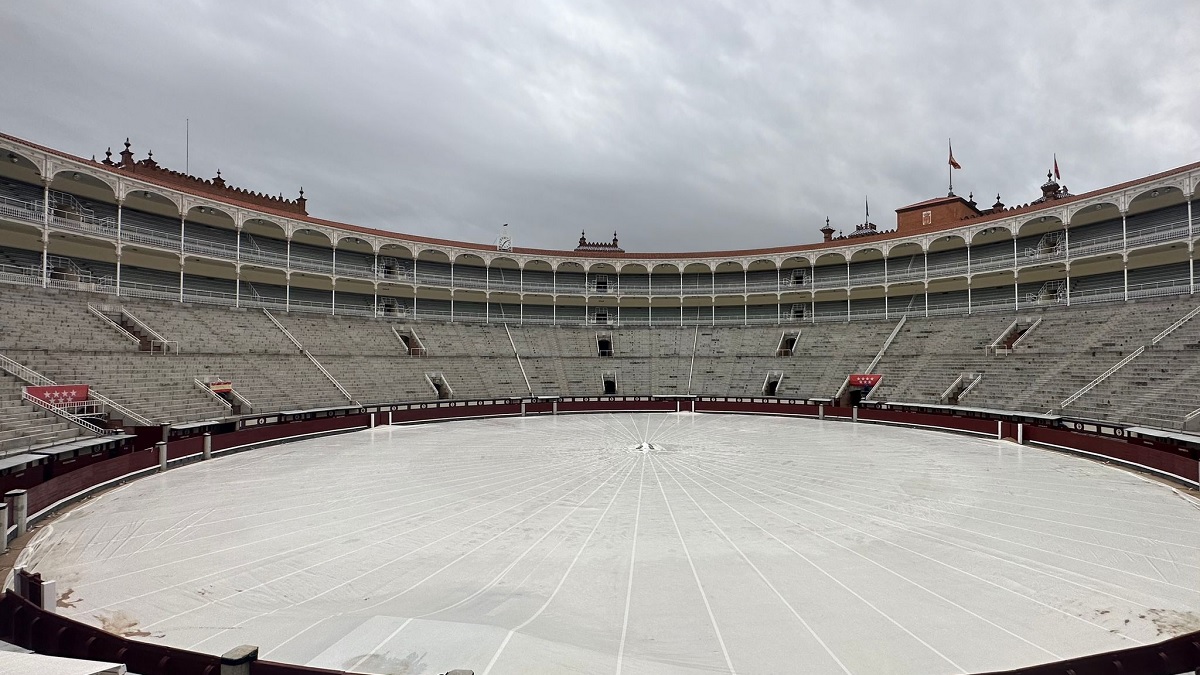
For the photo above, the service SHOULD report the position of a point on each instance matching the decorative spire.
(127, 154)
(108, 156)
(827, 230)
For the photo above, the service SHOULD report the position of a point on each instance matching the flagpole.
(950, 167)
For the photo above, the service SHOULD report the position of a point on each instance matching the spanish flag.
(953, 163)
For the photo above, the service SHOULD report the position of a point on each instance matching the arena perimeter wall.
(25, 623)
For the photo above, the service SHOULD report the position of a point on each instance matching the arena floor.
(637, 543)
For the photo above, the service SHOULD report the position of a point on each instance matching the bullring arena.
(962, 445)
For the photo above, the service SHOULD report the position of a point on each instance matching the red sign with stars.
(865, 380)
(60, 393)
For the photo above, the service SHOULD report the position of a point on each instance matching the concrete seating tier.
(53, 332)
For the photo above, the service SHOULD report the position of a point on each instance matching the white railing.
(26, 374)
(32, 212)
(283, 328)
(1171, 329)
(247, 403)
(330, 376)
(886, 343)
(692, 364)
(976, 378)
(1191, 416)
(1103, 376)
(113, 324)
(126, 413)
(995, 346)
(67, 412)
(518, 355)
(310, 357)
(1029, 330)
(212, 394)
(155, 336)
(950, 390)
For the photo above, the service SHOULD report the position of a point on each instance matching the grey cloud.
(683, 126)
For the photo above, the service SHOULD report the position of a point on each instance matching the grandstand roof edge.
(738, 253)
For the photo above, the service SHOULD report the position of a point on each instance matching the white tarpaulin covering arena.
(637, 543)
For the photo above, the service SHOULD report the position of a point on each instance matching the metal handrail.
(155, 336)
(1103, 376)
(967, 389)
(125, 412)
(1170, 329)
(208, 390)
(312, 358)
(886, 343)
(518, 355)
(65, 413)
(113, 324)
(24, 373)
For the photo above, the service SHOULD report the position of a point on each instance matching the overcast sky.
(681, 125)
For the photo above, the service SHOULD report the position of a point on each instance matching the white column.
(885, 288)
(333, 295)
(237, 298)
(1191, 249)
(119, 212)
(1125, 253)
(181, 262)
(1016, 277)
(970, 280)
(1067, 260)
(287, 279)
(45, 233)
(925, 266)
